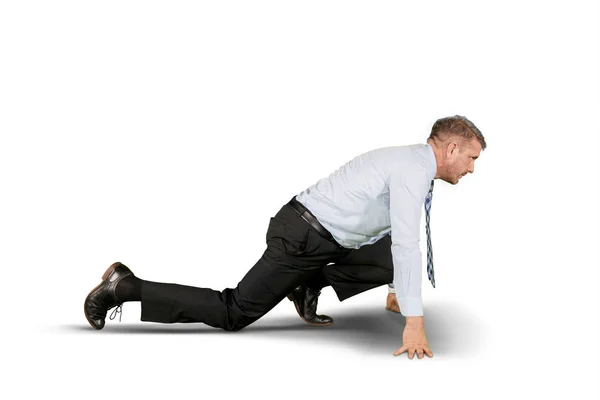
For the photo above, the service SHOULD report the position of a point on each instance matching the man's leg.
(261, 289)
(360, 270)
(354, 272)
(294, 252)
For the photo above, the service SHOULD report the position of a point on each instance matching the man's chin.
(452, 182)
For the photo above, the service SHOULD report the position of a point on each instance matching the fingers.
(411, 351)
(400, 350)
(393, 308)
(428, 352)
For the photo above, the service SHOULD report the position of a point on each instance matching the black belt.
(311, 219)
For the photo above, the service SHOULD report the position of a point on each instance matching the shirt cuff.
(411, 306)
(391, 288)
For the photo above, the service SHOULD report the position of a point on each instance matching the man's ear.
(451, 149)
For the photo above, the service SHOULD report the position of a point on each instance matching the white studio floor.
(479, 352)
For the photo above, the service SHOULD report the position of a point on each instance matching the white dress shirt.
(379, 192)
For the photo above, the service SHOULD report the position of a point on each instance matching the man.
(354, 230)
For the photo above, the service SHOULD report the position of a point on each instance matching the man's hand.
(391, 303)
(414, 339)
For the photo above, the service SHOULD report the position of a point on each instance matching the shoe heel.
(110, 270)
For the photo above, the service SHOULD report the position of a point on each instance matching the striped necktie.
(429, 251)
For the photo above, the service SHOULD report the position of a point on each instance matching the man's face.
(460, 159)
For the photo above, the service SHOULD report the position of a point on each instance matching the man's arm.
(408, 190)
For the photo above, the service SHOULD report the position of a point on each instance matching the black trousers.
(295, 255)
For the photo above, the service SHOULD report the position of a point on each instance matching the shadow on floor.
(450, 331)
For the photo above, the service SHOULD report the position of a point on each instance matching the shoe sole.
(291, 298)
(104, 277)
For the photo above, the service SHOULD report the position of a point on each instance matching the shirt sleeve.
(391, 288)
(408, 189)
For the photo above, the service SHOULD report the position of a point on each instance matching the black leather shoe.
(306, 301)
(102, 298)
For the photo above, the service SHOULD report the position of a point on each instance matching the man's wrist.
(411, 306)
(417, 320)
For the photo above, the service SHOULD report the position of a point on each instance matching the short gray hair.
(456, 125)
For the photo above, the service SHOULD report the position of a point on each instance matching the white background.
(165, 134)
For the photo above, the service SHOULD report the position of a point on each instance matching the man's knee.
(237, 316)
(237, 322)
